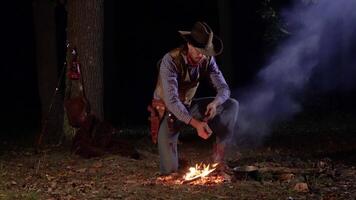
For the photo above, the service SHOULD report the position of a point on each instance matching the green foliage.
(275, 27)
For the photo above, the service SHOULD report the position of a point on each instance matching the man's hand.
(210, 111)
(202, 128)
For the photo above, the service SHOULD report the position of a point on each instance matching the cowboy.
(180, 72)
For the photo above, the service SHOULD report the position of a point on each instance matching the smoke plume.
(319, 52)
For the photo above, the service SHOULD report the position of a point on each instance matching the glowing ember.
(199, 171)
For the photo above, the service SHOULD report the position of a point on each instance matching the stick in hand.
(208, 130)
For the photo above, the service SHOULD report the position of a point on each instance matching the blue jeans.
(223, 126)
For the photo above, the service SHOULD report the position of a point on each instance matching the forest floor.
(302, 159)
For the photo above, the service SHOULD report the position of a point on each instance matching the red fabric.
(76, 111)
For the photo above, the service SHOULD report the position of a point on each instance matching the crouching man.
(180, 72)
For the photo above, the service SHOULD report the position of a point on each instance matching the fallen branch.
(191, 180)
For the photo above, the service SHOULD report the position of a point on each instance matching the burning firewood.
(200, 174)
(199, 171)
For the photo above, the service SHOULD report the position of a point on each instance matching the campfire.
(199, 171)
(200, 174)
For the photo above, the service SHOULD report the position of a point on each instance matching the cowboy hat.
(203, 38)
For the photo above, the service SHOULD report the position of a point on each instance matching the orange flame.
(200, 170)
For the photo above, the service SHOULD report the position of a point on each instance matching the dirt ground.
(324, 170)
(313, 160)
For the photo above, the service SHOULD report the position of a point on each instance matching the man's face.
(194, 54)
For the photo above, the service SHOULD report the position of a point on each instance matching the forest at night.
(80, 79)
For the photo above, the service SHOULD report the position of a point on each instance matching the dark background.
(136, 35)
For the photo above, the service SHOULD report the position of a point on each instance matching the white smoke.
(319, 50)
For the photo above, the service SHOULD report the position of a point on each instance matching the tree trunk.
(224, 10)
(85, 32)
(47, 66)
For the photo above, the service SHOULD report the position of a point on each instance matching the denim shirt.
(169, 79)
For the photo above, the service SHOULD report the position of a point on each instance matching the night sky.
(135, 37)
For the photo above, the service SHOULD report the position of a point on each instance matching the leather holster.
(157, 110)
